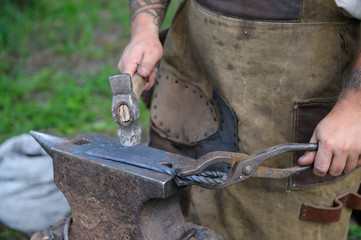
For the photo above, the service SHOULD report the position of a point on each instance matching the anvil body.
(113, 200)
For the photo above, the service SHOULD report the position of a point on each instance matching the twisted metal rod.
(208, 177)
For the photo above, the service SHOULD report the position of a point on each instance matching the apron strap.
(314, 213)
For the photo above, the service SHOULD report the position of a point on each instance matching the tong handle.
(277, 150)
(265, 172)
(250, 167)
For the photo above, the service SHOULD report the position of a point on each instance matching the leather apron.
(267, 68)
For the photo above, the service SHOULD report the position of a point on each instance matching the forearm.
(147, 15)
(351, 92)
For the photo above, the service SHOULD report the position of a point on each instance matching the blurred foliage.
(354, 232)
(55, 59)
(11, 234)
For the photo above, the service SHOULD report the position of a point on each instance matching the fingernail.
(320, 171)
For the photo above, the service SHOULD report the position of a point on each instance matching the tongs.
(244, 166)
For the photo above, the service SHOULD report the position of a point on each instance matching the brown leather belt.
(314, 213)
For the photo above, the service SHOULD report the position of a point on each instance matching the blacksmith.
(290, 71)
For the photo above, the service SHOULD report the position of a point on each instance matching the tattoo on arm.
(155, 8)
(353, 82)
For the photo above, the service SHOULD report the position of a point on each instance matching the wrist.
(350, 97)
(143, 25)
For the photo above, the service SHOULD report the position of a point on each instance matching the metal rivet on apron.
(245, 31)
(205, 134)
(155, 95)
(194, 91)
(215, 119)
(207, 103)
(161, 123)
(155, 107)
(155, 116)
(212, 130)
(168, 131)
(176, 81)
(195, 137)
(167, 77)
(186, 86)
(201, 96)
(187, 140)
(177, 136)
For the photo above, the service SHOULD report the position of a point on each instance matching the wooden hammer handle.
(138, 84)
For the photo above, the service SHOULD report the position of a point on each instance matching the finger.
(130, 67)
(129, 62)
(147, 64)
(309, 157)
(322, 160)
(351, 163)
(151, 79)
(337, 164)
(359, 161)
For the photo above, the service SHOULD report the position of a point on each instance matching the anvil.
(113, 200)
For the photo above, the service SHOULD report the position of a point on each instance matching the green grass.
(11, 234)
(354, 232)
(55, 59)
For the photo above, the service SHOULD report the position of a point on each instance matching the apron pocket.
(307, 114)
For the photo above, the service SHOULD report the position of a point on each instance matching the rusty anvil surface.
(113, 200)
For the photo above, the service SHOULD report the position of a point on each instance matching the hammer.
(125, 106)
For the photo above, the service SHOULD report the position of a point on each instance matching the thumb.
(309, 157)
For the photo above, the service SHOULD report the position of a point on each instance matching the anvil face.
(110, 199)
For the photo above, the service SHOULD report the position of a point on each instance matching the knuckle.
(329, 144)
(320, 170)
(345, 148)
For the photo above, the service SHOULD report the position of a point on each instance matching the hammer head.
(125, 109)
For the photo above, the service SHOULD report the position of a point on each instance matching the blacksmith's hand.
(141, 56)
(339, 134)
(144, 50)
